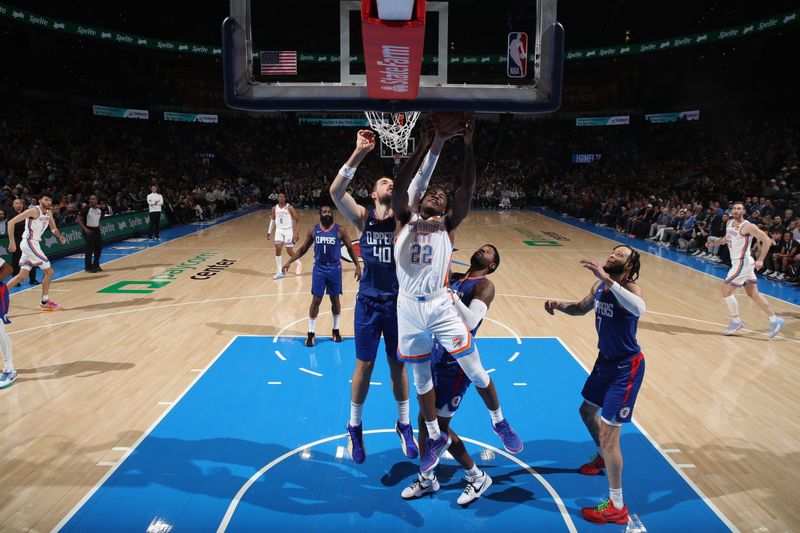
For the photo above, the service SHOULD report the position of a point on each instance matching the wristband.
(347, 172)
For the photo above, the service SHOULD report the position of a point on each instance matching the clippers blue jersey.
(379, 279)
(616, 327)
(327, 245)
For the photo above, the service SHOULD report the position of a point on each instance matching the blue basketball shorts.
(613, 386)
(449, 381)
(4, 303)
(374, 318)
(326, 278)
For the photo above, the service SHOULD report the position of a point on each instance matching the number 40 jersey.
(379, 279)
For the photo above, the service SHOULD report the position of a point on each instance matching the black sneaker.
(34, 282)
(310, 339)
(335, 336)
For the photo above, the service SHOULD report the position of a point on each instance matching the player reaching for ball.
(426, 308)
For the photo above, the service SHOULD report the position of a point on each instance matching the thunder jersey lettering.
(422, 252)
(738, 244)
(34, 227)
(379, 279)
(616, 327)
(283, 218)
(327, 245)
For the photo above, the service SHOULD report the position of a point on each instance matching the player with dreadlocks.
(610, 390)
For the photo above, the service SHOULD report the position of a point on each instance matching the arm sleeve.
(632, 303)
(420, 182)
(473, 314)
(271, 225)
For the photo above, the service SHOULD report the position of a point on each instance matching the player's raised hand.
(469, 128)
(550, 306)
(365, 140)
(596, 269)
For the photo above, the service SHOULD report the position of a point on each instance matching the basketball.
(449, 122)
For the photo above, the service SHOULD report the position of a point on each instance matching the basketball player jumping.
(610, 391)
(9, 374)
(738, 236)
(376, 301)
(37, 219)
(475, 292)
(284, 219)
(327, 239)
(425, 307)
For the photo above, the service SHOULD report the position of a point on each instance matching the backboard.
(470, 57)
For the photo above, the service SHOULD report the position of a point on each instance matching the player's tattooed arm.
(572, 308)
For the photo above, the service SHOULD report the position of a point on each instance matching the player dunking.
(475, 293)
(327, 239)
(37, 219)
(376, 301)
(738, 236)
(610, 391)
(425, 308)
(9, 374)
(284, 219)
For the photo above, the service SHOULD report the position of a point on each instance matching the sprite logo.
(157, 281)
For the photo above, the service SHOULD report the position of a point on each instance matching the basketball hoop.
(393, 128)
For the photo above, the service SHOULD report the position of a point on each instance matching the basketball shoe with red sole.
(593, 467)
(606, 513)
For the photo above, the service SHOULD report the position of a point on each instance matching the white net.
(394, 128)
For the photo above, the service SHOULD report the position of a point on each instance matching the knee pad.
(472, 367)
(423, 378)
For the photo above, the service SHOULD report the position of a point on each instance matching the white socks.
(355, 413)
(312, 325)
(433, 429)
(733, 306)
(5, 347)
(616, 497)
(402, 412)
(474, 471)
(336, 321)
(278, 264)
(497, 416)
(356, 410)
(45, 298)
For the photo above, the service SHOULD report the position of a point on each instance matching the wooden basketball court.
(96, 376)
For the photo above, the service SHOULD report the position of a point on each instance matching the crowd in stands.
(675, 185)
(670, 183)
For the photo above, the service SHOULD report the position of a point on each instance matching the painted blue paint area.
(232, 424)
(782, 291)
(71, 264)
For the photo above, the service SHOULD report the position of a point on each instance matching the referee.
(89, 219)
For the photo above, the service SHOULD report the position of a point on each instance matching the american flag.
(282, 62)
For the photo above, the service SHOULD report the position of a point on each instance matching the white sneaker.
(766, 273)
(475, 488)
(733, 327)
(774, 326)
(279, 275)
(420, 488)
(7, 378)
(781, 276)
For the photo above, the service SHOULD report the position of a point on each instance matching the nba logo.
(517, 54)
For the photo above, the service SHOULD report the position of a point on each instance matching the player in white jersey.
(36, 219)
(426, 309)
(284, 219)
(739, 235)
